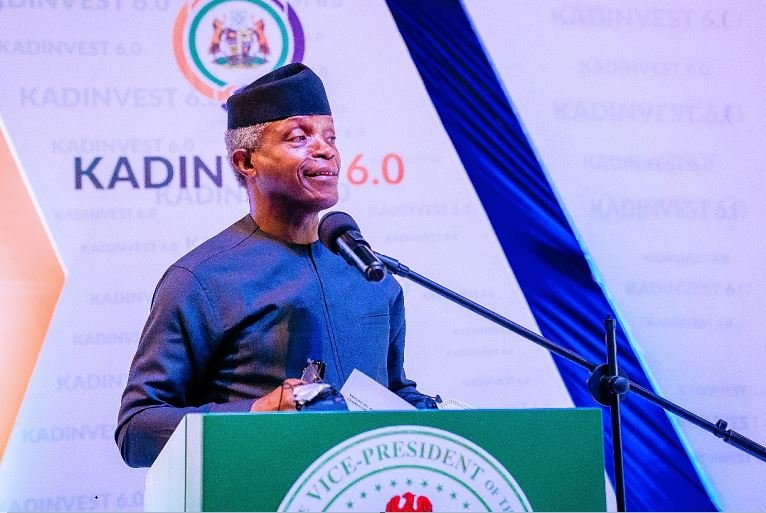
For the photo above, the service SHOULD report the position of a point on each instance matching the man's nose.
(323, 149)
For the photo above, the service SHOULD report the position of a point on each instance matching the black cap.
(292, 90)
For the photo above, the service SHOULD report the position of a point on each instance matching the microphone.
(340, 234)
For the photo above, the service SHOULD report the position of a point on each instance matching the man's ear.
(241, 160)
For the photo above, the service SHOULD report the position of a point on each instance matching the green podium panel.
(477, 460)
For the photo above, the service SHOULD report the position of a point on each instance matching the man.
(234, 322)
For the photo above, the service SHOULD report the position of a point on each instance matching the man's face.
(297, 163)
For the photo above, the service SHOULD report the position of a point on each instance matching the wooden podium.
(477, 460)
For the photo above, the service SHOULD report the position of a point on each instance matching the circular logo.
(406, 468)
(222, 45)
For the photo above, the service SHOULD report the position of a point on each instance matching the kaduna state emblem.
(223, 45)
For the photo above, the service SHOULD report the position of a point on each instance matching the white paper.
(453, 404)
(362, 393)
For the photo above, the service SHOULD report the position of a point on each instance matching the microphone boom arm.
(719, 429)
(399, 269)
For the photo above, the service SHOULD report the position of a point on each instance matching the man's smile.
(320, 172)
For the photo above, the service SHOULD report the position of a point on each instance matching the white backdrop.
(649, 120)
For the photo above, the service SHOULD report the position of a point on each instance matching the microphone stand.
(607, 384)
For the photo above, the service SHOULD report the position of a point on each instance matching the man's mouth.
(321, 172)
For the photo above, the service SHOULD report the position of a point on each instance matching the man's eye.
(297, 138)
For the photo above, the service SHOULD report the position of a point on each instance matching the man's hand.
(279, 399)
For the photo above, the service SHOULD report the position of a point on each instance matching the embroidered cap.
(292, 90)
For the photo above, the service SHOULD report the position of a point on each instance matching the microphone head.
(332, 226)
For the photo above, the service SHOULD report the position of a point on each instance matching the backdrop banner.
(553, 160)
